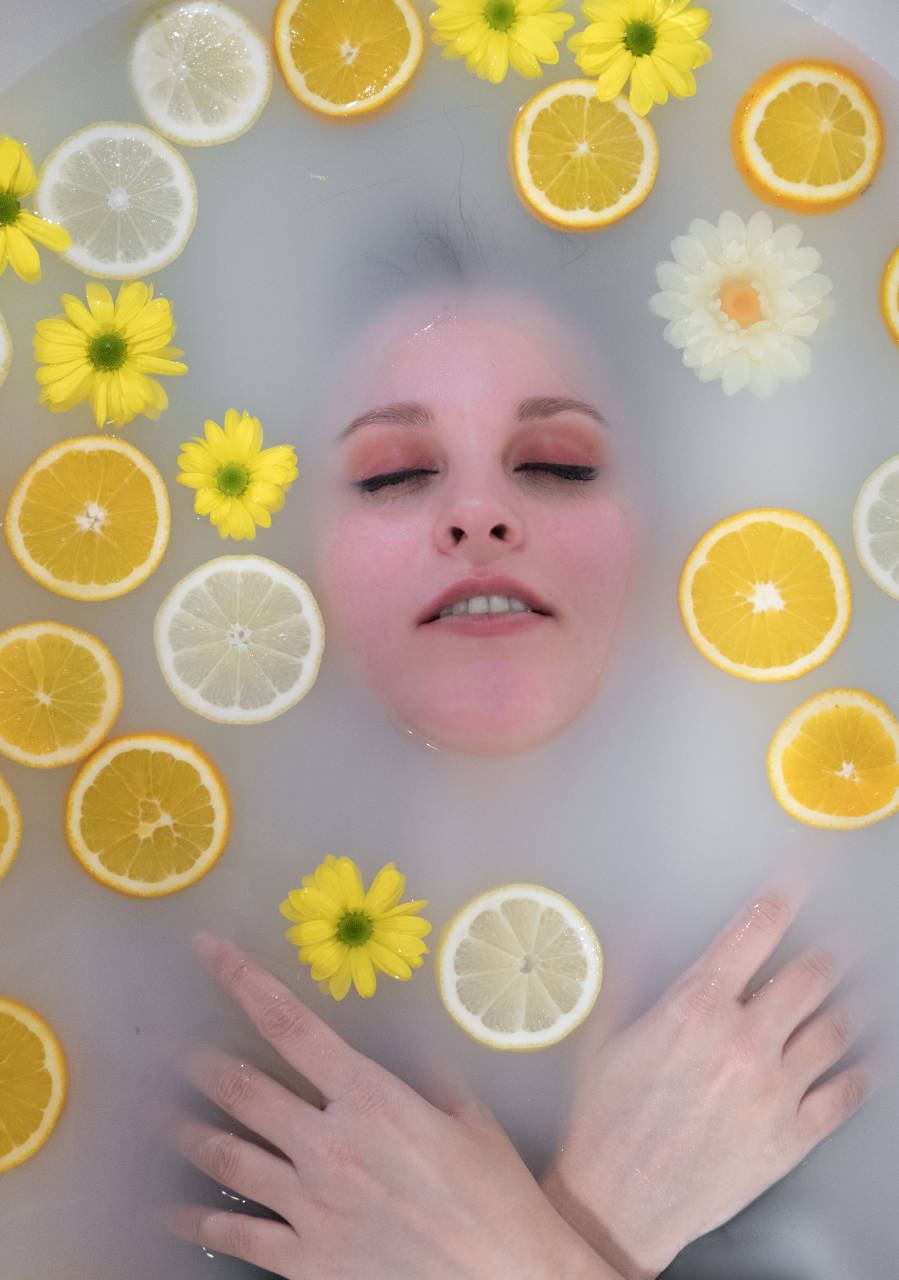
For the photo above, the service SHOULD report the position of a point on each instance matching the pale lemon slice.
(889, 297)
(200, 72)
(807, 136)
(519, 967)
(875, 522)
(10, 828)
(578, 163)
(148, 815)
(240, 639)
(125, 196)
(5, 351)
(835, 761)
(346, 59)
(60, 691)
(32, 1082)
(90, 518)
(764, 595)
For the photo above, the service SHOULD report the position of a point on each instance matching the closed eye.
(559, 470)
(406, 476)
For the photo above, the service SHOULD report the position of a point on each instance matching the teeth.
(486, 604)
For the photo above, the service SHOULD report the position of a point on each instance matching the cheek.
(594, 551)
(368, 574)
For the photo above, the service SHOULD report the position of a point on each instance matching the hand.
(682, 1119)
(374, 1185)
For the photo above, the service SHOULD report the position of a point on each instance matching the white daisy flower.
(740, 298)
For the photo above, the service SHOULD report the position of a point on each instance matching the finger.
(301, 1038)
(270, 1245)
(245, 1168)
(448, 1091)
(827, 1105)
(250, 1096)
(752, 936)
(821, 1042)
(800, 988)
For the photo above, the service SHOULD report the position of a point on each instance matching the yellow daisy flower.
(104, 351)
(654, 42)
(491, 34)
(238, 483)
(345, 934)
(18, 227)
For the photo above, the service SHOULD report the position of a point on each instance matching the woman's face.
(476, 552)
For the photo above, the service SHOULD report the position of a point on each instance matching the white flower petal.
(731, 228)
(670, 276)
(715, 369)
(762, 382)
(786, 238)
(668, 305)
(736, 374)
(707, 234)
(689, 253)
(758, 229)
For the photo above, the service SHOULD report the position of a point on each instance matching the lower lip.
(487, 624)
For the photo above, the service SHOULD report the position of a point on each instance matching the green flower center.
(639, 38)
(500, 14)
(9, 208)
(233, 479)
(354, 929)
(107, 351)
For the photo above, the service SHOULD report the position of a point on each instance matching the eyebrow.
(540, 407)
(409, 413)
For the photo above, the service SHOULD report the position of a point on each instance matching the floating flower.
(238, 483)
(654, 42)
(18, 227)
(740, 298)
(491, 34)
(104, 351)
(345, 934)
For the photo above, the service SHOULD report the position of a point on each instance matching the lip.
(468, 587)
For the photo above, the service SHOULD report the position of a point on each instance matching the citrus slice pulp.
(32, 1082)
(764, 595)
(875, 523)
(519, 967)
(807, 136)
(889, 297)
(240, 639)
(10, 828)
(835, 761)
(125, 196)
(200, 72)
(578, 163)
(89, 519)
(5, 351)
(347, 59)
(60, 691)
(148, 814)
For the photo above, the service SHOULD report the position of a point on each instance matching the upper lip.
(470, 587)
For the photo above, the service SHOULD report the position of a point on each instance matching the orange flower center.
(740, 301)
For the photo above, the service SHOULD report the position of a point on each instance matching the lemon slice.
(148, 815)
(835, 761)
(5, 351)
(10, 828)
(201, 73)
(124, 195)
(578, 163)
(875, 522)
(347, 59)
(60, 691)
(764, 595)
(519, 967)
(807, 136)
(89, 519)
(889, 298)
(240, 639)
(32, 1082)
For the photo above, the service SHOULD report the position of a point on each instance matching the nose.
(480, 528)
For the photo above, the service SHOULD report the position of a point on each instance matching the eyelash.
(414, 475)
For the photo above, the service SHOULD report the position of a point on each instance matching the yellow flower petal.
(47, 233)
(23, 257)
(100, 304)
(388, 961)
(130, 300)
(385, 892)
(352, 895)
(340, 983)
(16, 170)
(79, 315)
(363, 971)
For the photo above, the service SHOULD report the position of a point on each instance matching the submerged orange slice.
(32, 1082)
(10, 828)
(889, 296)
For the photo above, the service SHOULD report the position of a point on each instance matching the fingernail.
(207, 947)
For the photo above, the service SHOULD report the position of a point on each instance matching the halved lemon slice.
(835, 761)
(5, 351)
(346, 59)
(875, 523)
(519, 967)
(60, 691)
(148, 815)
(240, 639)
(764, 595)
(578, 163)
(889, 297)
(89, 519)
(200, 72)
(10, 828)
(125, 196)
(32, 1082)
(807, 136)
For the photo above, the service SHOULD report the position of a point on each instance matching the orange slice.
(889, 296)
(347, 59)
(578, 163)
(148, 815)
(32, 1082)
(835, 761)
(807, 136)
(10, 828)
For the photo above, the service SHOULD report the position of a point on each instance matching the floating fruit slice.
(148, 814)
(240, 639)
(519, 967)
(889, 298)
(835, 761)
(875, 523)
(764, 595)
(200, 72)
(5, 351)
(89, 519)
(807, 136)
(32, 1082)
(10, 828)
(578, 163)
(60, 691)
(124, 195)
(348, 59)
